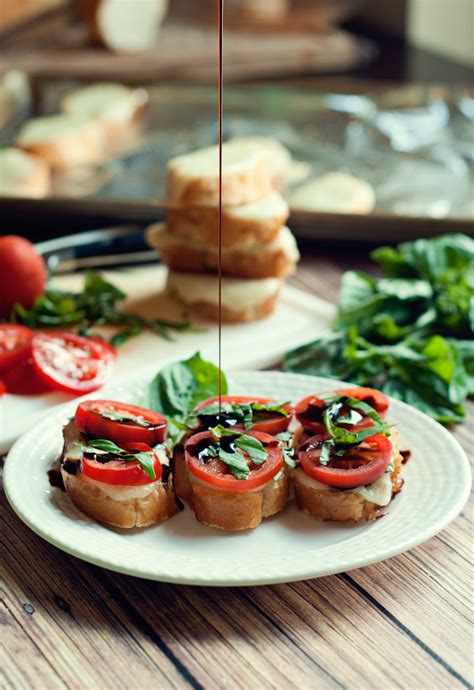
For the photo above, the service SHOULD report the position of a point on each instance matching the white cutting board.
(298, 318)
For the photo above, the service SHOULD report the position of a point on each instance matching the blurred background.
(380, 90)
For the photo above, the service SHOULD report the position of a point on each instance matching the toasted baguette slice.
(193, 178)
(119, 506)
(326, 503)
(22, 174)
(277, 157)
(64, 141)
(228, 511)
(242, 300)
(334, 193)
(115, 106)
(277, 259)
(259, 221)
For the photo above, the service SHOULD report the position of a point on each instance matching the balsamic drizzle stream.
(220, 13)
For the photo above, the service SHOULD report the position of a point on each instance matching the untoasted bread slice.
(22, 174)
(334, 193)
(276, 259)
(277, 156)
(242, 300)
(326, 503)
(193, 178)
(257, 222)
(64, 141)
(115, 106)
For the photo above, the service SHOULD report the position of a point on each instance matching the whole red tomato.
(22, 273)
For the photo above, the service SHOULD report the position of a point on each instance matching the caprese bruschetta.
(232, 479)
(114, 464)
(349, 462)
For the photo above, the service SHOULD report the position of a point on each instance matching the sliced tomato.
(22, 379)
(70, 362)
(120, 422)
(214, 472)
(15, 341)
(370, 396)
(360, 465)
(273, 424)
(122, 472)
(3, 388)
(310, 410)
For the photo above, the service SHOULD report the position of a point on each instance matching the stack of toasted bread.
(258, 251)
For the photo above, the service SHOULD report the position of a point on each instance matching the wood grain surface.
(405, 623)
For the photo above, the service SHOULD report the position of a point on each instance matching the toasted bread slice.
(277, 156)
(193, 178)
(22, 174)
(225, 510)
(327, 503)
(242, 300)
(257, 222)
(64, 141)
(120, 506)
(115, 106)
(334, 193)
(276, 259)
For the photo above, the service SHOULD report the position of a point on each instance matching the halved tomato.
(22, 379)
(269, 422)
(120, 422)
(3, 388)
(15, 341)
(361, 464)
(122, 472)
(214, 472)
(70, 362)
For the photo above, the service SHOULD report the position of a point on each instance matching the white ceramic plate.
(286, 547)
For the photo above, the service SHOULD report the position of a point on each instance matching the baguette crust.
(193, 179)
(202, 225)
(225, 510)
(344, 506)
(22, 174)
(157, 505)
(266, 261)
(83, 145)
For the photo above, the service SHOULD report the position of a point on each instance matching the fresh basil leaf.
(236, 463)
(106, 446)
(178, 387)
(125, 417)
(102, 446)
(253, 447)
(347, 436)
(146, 460)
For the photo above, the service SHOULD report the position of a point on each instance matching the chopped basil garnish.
(225, 447)
(289, 452)
(102, 446)
(247, 414)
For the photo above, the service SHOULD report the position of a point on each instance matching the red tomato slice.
(309, 411)
(122, 472)
(360, 465)
(370, 396)
(22, 379)
(3, 388)
(15, 344)
(70, 362)
(272, 425)
(137, 424)
(216, 473)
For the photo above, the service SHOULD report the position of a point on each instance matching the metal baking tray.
(414, 145)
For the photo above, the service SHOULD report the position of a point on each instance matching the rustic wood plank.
(69, 629)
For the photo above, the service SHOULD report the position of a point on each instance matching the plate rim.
(360, 561)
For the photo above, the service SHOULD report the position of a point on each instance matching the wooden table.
(404, 623)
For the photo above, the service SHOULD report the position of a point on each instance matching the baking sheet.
(413, 145)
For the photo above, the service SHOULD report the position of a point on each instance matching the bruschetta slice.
(232, 481)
